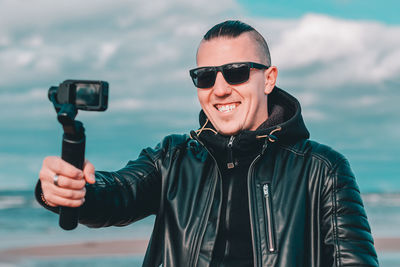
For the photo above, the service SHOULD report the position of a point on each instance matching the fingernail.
(92, 177)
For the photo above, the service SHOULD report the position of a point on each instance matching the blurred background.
(340, 58)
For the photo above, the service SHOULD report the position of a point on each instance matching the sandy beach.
(84, 249)
(123, 248)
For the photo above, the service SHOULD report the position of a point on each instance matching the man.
(246, 189)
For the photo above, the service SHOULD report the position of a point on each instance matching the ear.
(270, 79)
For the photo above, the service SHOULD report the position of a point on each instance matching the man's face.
(232, 108)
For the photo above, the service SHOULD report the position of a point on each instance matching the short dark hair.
(234, 28)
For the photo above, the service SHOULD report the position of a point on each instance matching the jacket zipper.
(230, 163)
(254, 230)
(270, 226)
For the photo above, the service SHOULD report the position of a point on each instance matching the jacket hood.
(285, 122)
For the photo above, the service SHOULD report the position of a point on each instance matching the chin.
(228, 131)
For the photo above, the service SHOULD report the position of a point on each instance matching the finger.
(47, 176)
(59, 166)
(56, 196)
(51, 203)
(68, 183)
(64, 202)
(88, 171)
(69, 193)
(46, 201)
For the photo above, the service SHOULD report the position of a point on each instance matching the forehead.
(223, 50)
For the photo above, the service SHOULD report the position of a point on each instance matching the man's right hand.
(70, 190)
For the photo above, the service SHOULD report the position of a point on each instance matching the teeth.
(227, 108)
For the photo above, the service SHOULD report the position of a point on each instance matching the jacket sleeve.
(121, 197)
(346, 231)
(125, 196)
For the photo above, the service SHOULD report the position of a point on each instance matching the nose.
(221, 87)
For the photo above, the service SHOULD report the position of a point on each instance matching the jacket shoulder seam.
(328, 163)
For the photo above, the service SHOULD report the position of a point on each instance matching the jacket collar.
(284, 124)
(284, 113)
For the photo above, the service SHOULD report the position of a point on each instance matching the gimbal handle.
(73, 152)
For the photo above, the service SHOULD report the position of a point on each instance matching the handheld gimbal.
(67, 98)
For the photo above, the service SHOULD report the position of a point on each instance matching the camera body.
(83, 94)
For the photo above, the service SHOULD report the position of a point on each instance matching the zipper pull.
(265, 188)
(230, 164)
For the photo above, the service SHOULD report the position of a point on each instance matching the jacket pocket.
(269, 218)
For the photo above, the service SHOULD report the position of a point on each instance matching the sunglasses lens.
(236, 73)
(204, 77)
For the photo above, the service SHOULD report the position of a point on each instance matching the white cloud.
(4, 40)
(23, 58)
(335, 51)
(34, 95)
(313, 115)
(307, 98)
(318, 38)
(365, 101)
(34, 41)
(107, 50)
(173, 103)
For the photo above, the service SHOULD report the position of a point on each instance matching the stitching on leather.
(314, 155)
(334, 221)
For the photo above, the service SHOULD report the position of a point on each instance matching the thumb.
(88, 172)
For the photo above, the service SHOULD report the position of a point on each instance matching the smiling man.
(244, 105)
(246, 189)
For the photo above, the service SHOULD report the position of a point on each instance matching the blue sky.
(340, 58)
(386, 11)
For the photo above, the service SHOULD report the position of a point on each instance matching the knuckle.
(68, 203)
(69, 194)
(57, 165)
(41, 174)
(63, 182)
(51, 203)
(77, 194)
(82, 193)
(76, 184)
(68, 182)
(45, 188)
(48, 197)
(50, 161)
(82, 183)
(46, 161)
(74, 203)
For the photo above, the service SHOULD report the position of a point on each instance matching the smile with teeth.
(226, 108)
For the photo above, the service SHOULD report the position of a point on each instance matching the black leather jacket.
(305, 206)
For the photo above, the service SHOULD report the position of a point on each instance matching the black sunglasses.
(234, 73)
